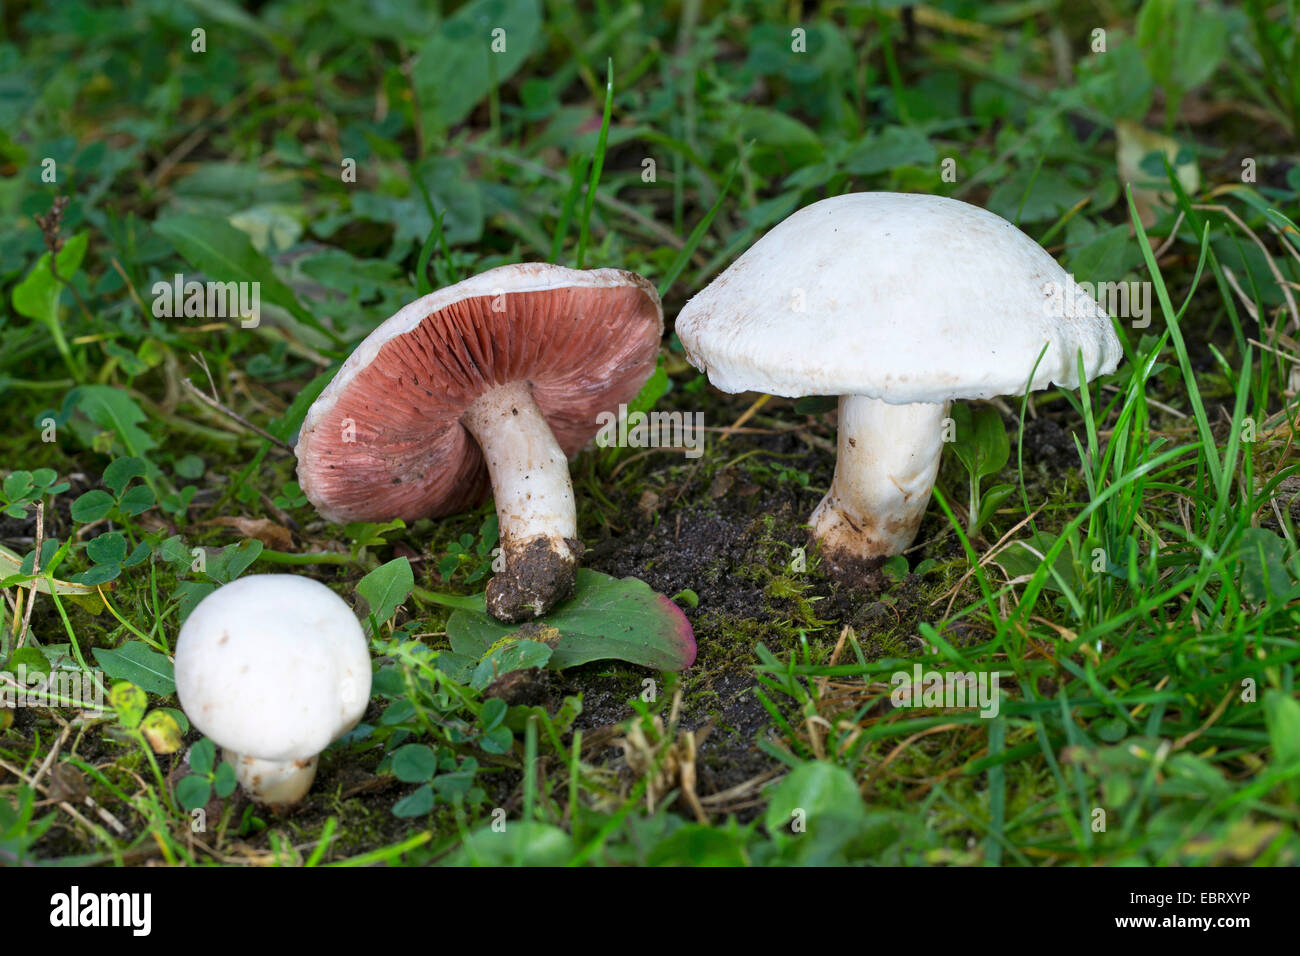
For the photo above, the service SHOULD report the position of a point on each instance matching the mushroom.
(897, 304)
(274, 668)
(500, 378)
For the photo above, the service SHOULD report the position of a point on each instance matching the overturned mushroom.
(500, 378)
(274, 668)
(898, 304)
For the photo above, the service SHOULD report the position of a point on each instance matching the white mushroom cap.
(898, 297)
(273, 666)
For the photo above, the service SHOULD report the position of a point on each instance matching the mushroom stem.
(274, 782)
(888, 459)
(534, 501)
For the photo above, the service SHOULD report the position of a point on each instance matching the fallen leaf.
(274, 536)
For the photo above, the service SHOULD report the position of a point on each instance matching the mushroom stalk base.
(888, 459)
(273, 782)
(534, 501)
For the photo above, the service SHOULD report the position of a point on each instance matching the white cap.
(898, 297)
(273, 666)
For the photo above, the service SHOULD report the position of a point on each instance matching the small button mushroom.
(898, 304)
(495, 381)
(274, 668)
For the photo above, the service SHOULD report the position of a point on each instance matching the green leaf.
(120, 472)
(512, 656)
(112, 409)
(17, 484)
(224, 780)
(499, 740)
(1263, 573)
(981, 442)
(99, 574)
(138, 663)
(230, 562)
(37, 296)
(1109, 254)
(493, 712)
(697, 845)
(287, 425)
(781, 141)
(174, 551)
(189, 594)
(415, 804)
(345, 273)
(1282, 716)
(108, 548)
(30, 658)
(212, 244)
(92, 506)
(811, 792)
(138, 555)
(189, 466)
(202, 756)
(1025, 558)
(129, 701)
(137, 500)
(193, 792)
(414, 763)
(884, 152)
(386, 587)
(992, 499)
(44, 477)
(457, 66)
(525, 842)
(606, 619)
(178, 715)
(162, 732)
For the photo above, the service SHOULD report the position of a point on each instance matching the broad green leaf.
(37, 296)
(129, 701)
(232, 561)
(386, 587)
(414, 763)
(112, 409)
(1106, 256)
(193, 792)
(226, 254)
(510, 655)
(11, 567)
(224, 780)
(17, 484)
(203, 755)
(812, 790)
(108, 548)
(697, 845)
(92, 506)
(1282, 716)
(606, 619)
(524, 841)
(1263, 573)
(29, 658)
(162, 732)
(458, 67)
(120, 472)
(887, 150)
(99, 574)
(140, 664)
(137, 500)
(416, 804)
(981, 442)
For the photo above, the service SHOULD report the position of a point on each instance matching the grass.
(1136, 593)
